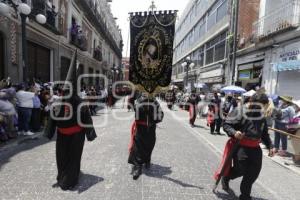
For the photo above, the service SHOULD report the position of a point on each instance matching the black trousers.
(35, 123)
(216, 126)
(68, 157)
(144, 142)
(247, 163)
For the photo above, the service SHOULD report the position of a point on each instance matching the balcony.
(41, 7)
(95, 17)
(98, 53)
(78, 39)
(282, 19)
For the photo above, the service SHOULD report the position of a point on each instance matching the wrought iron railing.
(78, 39)
(41, 7)
(284, 18)
(98, 54)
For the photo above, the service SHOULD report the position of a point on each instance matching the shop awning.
(287, 66)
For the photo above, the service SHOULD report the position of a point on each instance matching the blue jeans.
(24, 118)
(279, 137)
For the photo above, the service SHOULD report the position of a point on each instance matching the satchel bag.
(293, 125)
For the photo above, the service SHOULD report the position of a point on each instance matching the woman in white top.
(25, 105)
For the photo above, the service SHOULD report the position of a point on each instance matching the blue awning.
(287, 66)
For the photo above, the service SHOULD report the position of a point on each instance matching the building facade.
(201, 35)
(126, 65)
(272, 57)
(87, 25)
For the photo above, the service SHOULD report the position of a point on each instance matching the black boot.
(147, 165)
(225, 184)
(137, 172)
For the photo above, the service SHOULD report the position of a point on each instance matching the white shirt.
(25, 99)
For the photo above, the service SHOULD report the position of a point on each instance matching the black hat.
(260, 98)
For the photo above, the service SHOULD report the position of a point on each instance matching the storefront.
(250, 74)
(282, 77)
(211, 76)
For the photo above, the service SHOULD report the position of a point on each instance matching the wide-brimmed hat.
(287, 99)
(297, 103)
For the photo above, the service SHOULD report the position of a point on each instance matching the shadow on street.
(22, 146)
(231, 196)
(86, 181)
(161, 172)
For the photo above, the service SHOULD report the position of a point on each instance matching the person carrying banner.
(143, 133)
(150, 71)
(246, 134)
(71, 128)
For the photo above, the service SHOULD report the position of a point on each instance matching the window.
(215, 49)
(209, 56)
(222, 10)
(200, 59)
(211, 20)
(220, 51)
(91, 72)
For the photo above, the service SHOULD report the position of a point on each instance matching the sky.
(121, 8)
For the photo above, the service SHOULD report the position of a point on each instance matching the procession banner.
(151, 49)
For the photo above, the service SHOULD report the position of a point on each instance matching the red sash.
(133, 132)
(192, 110)
(228, 148)
(70, 130)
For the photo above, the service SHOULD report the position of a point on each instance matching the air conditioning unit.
(242, 41)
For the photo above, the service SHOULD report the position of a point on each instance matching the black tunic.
(148, 114)
(69, 147)
(247, 161)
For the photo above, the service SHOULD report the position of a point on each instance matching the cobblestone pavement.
(183, 165)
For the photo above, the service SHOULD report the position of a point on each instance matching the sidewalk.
(277, 176)
(4, 146)
(219, 142)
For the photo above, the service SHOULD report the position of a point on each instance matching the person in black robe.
(216, 125)
(71, 128)
(247, 131)
(193, 102)
(148, 114)
(131, 100)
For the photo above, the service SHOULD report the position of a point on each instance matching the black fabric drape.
(144, 142)
(68, 157)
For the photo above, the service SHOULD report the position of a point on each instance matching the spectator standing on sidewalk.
(7, 108)
(296, 125)
(36, 113)
(217, 119)
(25, 105)
(287, 112)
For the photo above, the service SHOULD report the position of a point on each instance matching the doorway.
(38, 62)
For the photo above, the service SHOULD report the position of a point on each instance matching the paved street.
(183, 165)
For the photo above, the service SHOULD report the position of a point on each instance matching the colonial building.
(125, 62)
(200, 35)
(87, 25)
(269, 54)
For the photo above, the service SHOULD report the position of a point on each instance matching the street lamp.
(187, 64)
(115, 71)
(24, 10)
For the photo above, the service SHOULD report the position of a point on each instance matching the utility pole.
(232, 40)
(235, 34)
